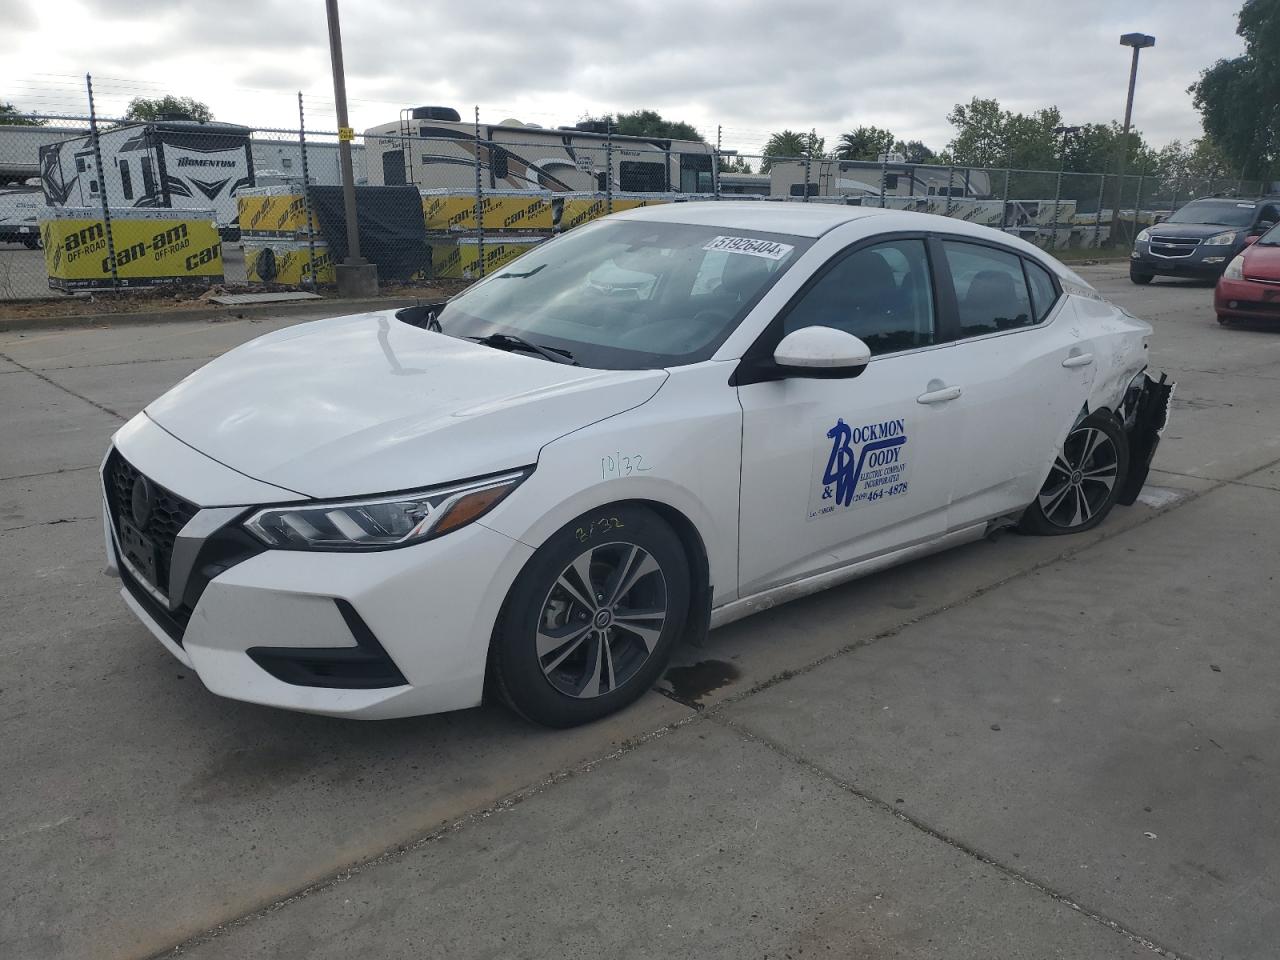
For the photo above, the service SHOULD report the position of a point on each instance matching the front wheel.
(1140, 277)
(1084, 481)
(590, 623)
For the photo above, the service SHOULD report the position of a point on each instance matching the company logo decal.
(204, 162)
(857, 465)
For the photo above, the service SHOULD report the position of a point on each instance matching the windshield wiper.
(507, 341)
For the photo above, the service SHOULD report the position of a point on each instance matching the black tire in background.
(591, 620)
(1140, 277)
(1084, 481)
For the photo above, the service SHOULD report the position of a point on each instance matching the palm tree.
(864, 143)
(789, 144)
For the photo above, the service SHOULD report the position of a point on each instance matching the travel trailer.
(432, 148)
(177, 164)
(861, 178)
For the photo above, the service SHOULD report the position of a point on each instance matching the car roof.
(815, 219)
(799, 219)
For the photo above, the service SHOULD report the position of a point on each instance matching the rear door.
(1024, 369)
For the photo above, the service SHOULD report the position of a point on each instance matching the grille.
(169, 512)
(1173, 246)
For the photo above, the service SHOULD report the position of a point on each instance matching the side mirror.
(821, 352)
(817, 353)
(1159, 218)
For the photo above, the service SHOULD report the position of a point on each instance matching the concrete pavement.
(825, 777)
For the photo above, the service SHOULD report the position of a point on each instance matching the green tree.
(649, 123)
(142, 108)
(734, 165)
(11, 116)
(1200, 162)
(914, 151)
(864, 143)
(788, 143)
(1239, 99)
(1093, 149)
(987, 136)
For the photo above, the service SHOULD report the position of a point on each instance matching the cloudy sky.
(753, 66)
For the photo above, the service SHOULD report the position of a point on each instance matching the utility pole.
(1139, 42)
(356, 276)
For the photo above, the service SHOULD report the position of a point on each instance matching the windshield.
(1271, 238)
(1227, 213)
(626, 295)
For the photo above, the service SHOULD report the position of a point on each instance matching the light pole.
(356, 276)
(1139, 42)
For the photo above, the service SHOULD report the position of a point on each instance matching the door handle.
(1078, 360)
(939, 396)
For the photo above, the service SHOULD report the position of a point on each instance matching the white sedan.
(655, 424)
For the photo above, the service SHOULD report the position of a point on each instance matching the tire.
(1224, 321)
(1140, 277)
(548, 660)
(1084, 481)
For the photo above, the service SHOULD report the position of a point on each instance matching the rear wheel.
(590, 623)
(1140, 277)
(1084, 481)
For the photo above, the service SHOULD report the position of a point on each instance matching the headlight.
(380, 523)
(1221, 239)
(1235, 269)
(1145, 235)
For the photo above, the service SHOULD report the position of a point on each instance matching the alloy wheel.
(1082, 478)
(601, 620)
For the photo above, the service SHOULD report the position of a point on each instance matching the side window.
(991, 290)
(882, 294)
(1043, 293)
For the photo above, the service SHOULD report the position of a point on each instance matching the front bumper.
(1247, 300)
(397, 632)
(1205, 263)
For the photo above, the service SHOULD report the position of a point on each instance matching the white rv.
(861, 178)
(178, 164)
(432, 148)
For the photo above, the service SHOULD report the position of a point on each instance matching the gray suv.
(1200, 239)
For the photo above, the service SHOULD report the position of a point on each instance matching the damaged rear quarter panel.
(1119, 349)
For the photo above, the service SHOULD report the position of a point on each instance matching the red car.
(1250, 286)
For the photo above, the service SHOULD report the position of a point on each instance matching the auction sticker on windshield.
(858, 464)
(769, 249)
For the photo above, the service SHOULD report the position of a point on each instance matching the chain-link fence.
(186, 208)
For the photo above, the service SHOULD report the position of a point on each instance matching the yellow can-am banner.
(274, 213)
(499, 211)
(287, 262)
(148, 252)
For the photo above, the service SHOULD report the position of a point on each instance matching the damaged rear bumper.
(1146, 413)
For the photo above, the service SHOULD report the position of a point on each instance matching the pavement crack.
(46, 523)
(934, 833)
(416, 843)
(54, 383)
(49, 473)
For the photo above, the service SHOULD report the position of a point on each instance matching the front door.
(835, 471)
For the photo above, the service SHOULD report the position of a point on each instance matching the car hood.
(1198, 230)
(367, 404)
(1262, 262)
